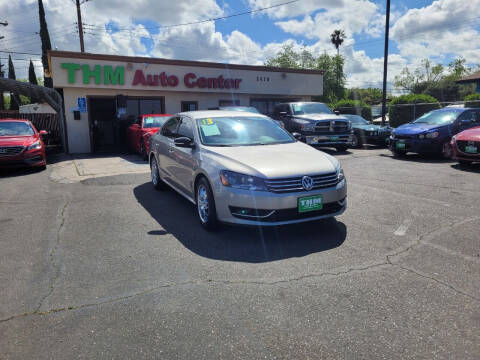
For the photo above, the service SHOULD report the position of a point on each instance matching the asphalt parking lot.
(107, 267)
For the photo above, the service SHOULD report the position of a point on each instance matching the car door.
(183, 159)
(164, 147)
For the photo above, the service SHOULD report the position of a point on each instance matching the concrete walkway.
(75, 168)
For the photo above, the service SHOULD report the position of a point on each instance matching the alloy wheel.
(202, 203)
(154, 172)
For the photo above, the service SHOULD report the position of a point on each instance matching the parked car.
(367, 133)
(315, 124)
(21, 144)
(432, 132)
(466, 146)
(138, 134)
(226, 163)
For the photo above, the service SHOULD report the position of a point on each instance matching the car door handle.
(170, 150)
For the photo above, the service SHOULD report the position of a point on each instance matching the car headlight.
(432, 135)
(308, 126)
(35, 145)
(242, 181)
(421, 136)
(454, 138)
(340, 174)
(349, 126)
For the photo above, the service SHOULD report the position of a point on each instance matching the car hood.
(413, 129)
(17, 140)
(472, 134)
(368, 127)
(273, 161)
(319, 117)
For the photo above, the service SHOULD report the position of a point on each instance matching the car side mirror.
(283, 113)
(184, 142)
(465, 122)
(336, 112)
(43, 132)
(297, 135)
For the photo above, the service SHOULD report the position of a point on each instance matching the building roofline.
(475, 77)
(139, 59)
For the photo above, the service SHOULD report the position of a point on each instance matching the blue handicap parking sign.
(82, 104)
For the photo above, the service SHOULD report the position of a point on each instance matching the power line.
(203, 21)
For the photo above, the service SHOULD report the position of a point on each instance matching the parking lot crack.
(53, 253)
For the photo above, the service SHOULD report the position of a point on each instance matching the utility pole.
(80, 26)
(2, 73)
(385, 64)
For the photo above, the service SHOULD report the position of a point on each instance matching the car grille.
(287, 214)
(331, 126)
(403, 137)
(11, 150)
(461, 144)
(287, 185)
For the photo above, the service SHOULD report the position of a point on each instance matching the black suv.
(315, 124)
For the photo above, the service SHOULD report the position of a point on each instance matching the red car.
(138, 134)
(466, 146)
(21, 144)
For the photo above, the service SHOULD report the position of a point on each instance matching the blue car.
(432, 132)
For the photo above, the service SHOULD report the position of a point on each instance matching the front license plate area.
(310, 203)
(471, 149)
(400, 145)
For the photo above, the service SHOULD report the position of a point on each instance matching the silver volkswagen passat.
(243, 168)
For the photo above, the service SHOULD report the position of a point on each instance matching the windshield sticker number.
(148, 120)
(207, 122)
(210, 130)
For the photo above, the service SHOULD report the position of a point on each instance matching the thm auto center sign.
(109, 75)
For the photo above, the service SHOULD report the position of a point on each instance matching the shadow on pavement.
(473, 168)
(177, 216)
(421, 158)
(18, 171)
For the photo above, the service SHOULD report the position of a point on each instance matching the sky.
(440, 30)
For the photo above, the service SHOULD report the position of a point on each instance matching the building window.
(229, 102)
(144, 105)
(189, 105)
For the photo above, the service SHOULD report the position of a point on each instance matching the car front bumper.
(272, 209)
(420, 146)
(26, 158)
(459, 155)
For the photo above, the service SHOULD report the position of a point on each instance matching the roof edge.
(140, 59)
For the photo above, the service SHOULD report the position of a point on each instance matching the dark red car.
(138, 134)
(21, 144)
(466, 146)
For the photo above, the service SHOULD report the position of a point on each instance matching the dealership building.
(104, 93)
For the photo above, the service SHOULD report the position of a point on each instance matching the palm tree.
(337, 39)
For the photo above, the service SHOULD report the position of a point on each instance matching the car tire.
(206, 211)
(341, 148)
(157, 182)
(143, 151)
(447, 150)
(356, 141)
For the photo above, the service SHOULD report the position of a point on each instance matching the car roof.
(156, 115)
(16, 120)
(218, 113)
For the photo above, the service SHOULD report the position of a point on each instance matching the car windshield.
(356, 119)
(15, 128)
(154, 121)
(242, 108)
(311, 108)
(438, 117)
(241, 131)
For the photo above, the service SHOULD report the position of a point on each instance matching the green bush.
(406, 108)
(355, 107)
(470, 100)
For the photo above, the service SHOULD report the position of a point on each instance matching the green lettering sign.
(113, 77)
(71, 68)
(95, 73)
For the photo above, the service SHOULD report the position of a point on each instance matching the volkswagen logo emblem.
(307, 183)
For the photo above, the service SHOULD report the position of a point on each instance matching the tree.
(32, 77)
(333, 77)
(11, 75)
(46, 45)
(337, 38)
(370, 95)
